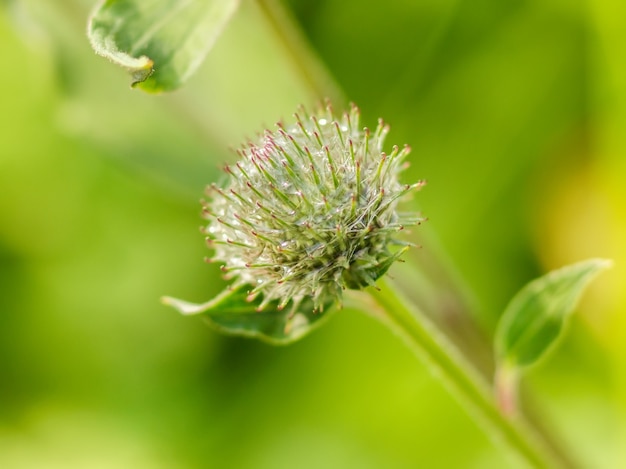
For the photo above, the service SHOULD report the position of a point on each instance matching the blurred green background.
(516, 112)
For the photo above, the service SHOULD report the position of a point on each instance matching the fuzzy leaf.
(231, 313)
(159, 42)
(535, 318)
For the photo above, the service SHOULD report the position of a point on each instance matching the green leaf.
(159, 42)
(535, 318)
(231, 313)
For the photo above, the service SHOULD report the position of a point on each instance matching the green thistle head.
(309, 210)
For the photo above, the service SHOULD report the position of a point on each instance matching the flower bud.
(309, 210)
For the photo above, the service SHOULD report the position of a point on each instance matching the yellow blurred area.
(585, 218)
(585, 215)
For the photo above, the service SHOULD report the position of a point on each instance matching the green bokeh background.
(516, 113)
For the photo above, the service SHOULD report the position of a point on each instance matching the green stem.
(535, 447)
(506, 385)
(311, 69)
(460, 377)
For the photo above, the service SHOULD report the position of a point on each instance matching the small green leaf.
(231, 313)
(159, 42)
(536, 316)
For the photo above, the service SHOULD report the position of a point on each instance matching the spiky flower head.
(309, 210)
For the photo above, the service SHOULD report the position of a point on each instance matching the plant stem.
(398, 313)
(313, 72)
(506, 384)
(460, 377)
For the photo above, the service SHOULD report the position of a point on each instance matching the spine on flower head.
(309, 210)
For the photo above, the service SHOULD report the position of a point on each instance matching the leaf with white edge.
(535, 318)
(231, 313)
(160, 43)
